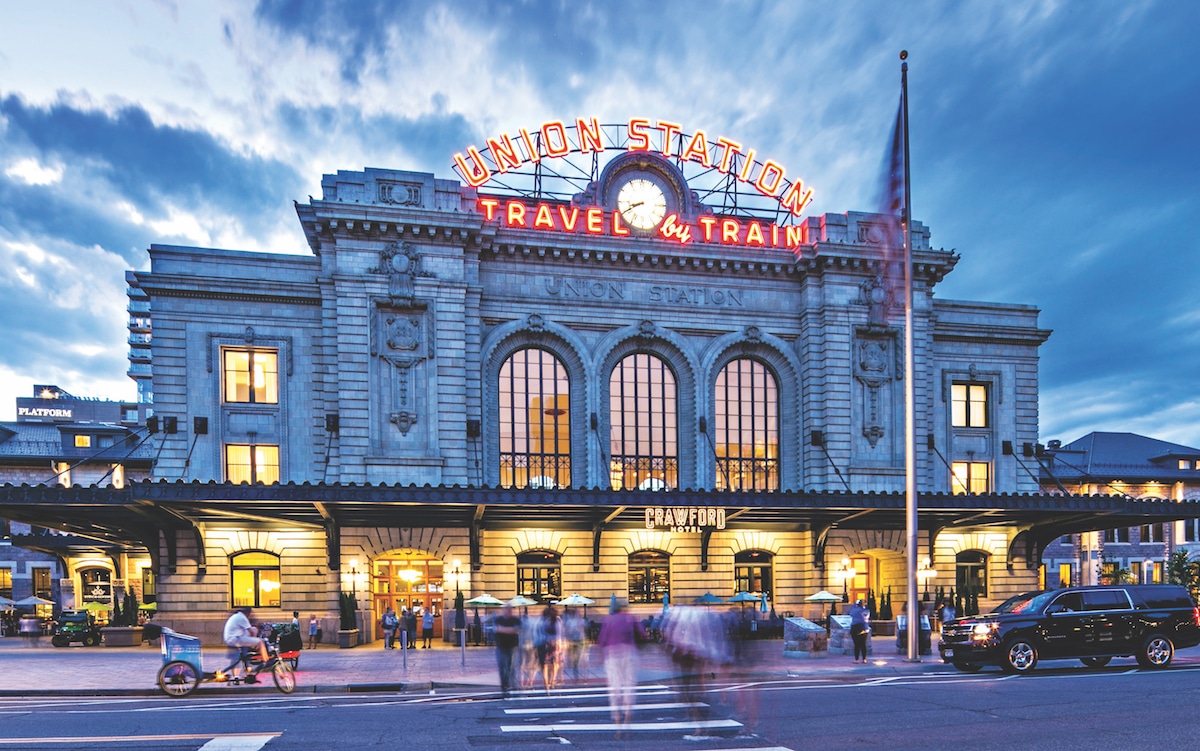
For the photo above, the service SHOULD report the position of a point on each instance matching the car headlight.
(983, 631)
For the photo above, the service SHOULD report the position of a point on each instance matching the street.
(1067, 707)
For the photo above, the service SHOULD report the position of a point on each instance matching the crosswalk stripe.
(629, 726)
(259, 739)
(237, 743)
(602, 708)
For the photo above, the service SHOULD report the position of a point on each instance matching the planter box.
(347, 638)
(122, 636)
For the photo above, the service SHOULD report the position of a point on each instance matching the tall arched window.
(649, 576)
(535, 421)
(254, 579)
(539, 575)
(644, 443)
(747, 427)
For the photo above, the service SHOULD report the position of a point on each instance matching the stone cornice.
(980, 332)
(169, 285)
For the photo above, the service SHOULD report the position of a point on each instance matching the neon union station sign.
(556, 139)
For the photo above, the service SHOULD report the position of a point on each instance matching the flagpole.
(910, 409)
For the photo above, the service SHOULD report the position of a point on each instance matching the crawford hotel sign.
(648, 202)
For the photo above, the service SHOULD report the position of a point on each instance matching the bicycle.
(182, 671)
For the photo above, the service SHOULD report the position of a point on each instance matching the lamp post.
(925, 573)
(460, 616)
(1147, 571)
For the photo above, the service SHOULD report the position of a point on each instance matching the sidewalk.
(32, 667)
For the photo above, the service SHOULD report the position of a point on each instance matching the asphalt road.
(1068, 707)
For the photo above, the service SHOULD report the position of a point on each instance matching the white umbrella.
(484, 601)
(575, 600)
(521, 601)
(33, 600)
(5, 601)
(822, 597)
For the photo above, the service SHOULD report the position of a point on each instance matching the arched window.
(649, 576)
(97, 585)
(254, 579)
(539, 575)
(747, 427)
(752, 572)
(535, 421)
(971, 572)
(644, 443)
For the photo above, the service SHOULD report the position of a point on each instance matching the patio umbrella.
(741, 598)
(575, 600)
(148, 606)
(33, 600)
(708, 598)
(5, 601)
(482, 601)
(96, 607)
(521, 601)
(822, 597)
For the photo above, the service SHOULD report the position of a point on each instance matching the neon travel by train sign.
(508, 154)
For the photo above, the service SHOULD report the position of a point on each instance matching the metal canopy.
(136, 514)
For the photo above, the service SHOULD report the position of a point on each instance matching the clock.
(642, 203)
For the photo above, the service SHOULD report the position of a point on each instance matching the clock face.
(642, 203)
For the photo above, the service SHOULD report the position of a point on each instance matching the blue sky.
(1054, 146)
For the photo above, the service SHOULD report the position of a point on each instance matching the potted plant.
(123, 629)
(347, 620)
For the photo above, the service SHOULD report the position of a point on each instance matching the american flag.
(892, 209)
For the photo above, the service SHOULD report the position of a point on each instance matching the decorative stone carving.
(248, 335)
(400, 261)
(403, 333)
(535, 322)
(646, 329)
(753, 334)
(400, 194)
(404, 421)
(874, 367)
(876, 295)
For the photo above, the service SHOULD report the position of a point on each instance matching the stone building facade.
(436, 334)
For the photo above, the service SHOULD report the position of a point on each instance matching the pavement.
(32, 667)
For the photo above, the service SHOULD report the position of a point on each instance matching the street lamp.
(925, 573)
(1147, 571)
(847, 574)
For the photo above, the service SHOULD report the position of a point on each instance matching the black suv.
(1091, 624)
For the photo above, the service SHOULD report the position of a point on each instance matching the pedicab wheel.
(285, 679)
(178, 678)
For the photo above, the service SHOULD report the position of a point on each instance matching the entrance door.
(860, 584)
(406, 580)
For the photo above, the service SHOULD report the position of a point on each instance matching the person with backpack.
(389, 623)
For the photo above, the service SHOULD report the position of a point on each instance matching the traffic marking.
(628, 726)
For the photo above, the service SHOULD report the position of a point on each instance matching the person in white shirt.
(239, 633)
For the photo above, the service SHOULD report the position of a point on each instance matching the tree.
(1181, 570)
(885, 611)
(347, 606)
(871, 604)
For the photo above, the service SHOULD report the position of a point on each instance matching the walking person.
(618, 648)
(389, 623)
(548, 647)
(314, 626)
(508, 633)
(427, 628)
(860, 629)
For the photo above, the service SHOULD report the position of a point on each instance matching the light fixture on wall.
(925, 573)
(847, 573)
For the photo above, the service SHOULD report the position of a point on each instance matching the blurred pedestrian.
(860, 629)
(549, 633)
(619, 636)
(508, 633)
(574, 643)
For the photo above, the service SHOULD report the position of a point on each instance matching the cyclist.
(239, 633)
